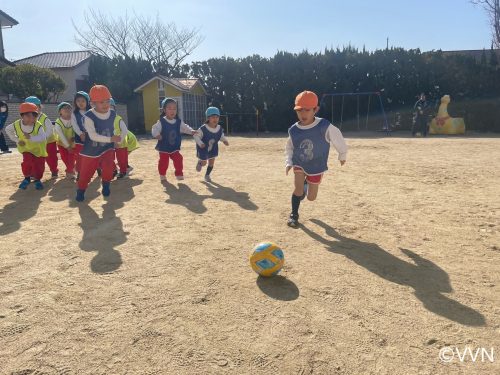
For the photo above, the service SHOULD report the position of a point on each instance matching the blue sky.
(242, 28)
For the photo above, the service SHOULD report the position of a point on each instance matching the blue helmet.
(165, 101)
(64, 104)
(212, 111)
(83, 94)
(33, 100)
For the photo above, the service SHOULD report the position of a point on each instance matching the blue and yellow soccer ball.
(267, 259)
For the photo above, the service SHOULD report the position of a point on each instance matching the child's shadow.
(182, 195)
(102, 235)
(228, 194)
(428, 280)
(24, 205)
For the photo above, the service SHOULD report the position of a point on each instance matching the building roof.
(5, 62)
(182, 84)
(6, 20)
(52, 60)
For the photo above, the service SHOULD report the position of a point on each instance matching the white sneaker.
(163, 178)
(208, 178)
(179, 178)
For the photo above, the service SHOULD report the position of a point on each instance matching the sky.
(241, 28)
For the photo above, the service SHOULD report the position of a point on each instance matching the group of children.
(90, 135)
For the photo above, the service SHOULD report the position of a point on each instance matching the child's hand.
(116, 139)
(202, 145)
(226, 143)
(342, 162)
(82, 137)
(193, 132)
(21, 143)
(288, 167)
(158, 137)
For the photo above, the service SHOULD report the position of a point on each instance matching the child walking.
(168, 132)
(81, 104)
(121, 149)
(51, 158)
(207, 139)
(65, 136)
(98, 149)
(307, 151)
(30, 137)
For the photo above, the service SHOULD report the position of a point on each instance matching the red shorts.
(315, 179)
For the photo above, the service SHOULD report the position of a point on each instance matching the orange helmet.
(99, 93)
(306, 100)
(28, 108)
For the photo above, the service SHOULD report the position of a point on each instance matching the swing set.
(385, 125)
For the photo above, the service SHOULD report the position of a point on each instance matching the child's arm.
(124, 131)
(197, 138)
(90, 129)
(76, 128)
(61, 136)
(335, 138)
(186, 129)
(49, 128)
(156, 130)
(288, 155)
(40, 137)
(224, 139)
(11, 133)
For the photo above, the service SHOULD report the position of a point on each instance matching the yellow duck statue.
(443, 123)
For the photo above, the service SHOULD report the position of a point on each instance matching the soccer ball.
(267, 259)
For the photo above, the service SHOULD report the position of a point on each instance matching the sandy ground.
(398, 258)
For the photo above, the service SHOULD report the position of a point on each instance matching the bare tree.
(162, 45)
(492, 7)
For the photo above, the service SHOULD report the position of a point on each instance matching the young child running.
(168, 133)
(65, 136)
(98, 149)
(307, 151)
(31, 142)
(207, 141)
(51, 158)
(122, 148)
(81, 104)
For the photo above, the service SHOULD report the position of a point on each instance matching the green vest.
(39, 149)
(50, 137)
(118, 131)
(131, 142)
(69, 133)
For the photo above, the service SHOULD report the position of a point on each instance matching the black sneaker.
(293, 221)
(6, 152)
(99, 172)
(55, 174)
(121, 175)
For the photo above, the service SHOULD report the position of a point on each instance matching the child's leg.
(178, 164)
(76, 151)
(299, 177)
(27, 165)
(65, 158)
(107, 163)
(312, 192)
(163, 163)
(122, 159)
(88, 167)
(38, 168)
(52, 157)
(70, 167)
(211, 163)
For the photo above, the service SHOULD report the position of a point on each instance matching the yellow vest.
(51, 138)
(69, 133)
(39, 149)
(131, 142)
(118, 131)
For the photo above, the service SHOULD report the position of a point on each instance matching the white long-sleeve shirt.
(59, 132)
(49, 128)
(90, 128)
(156, 129)
(199, 134)
(11, 133)
(74, 123)
(332, 136)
